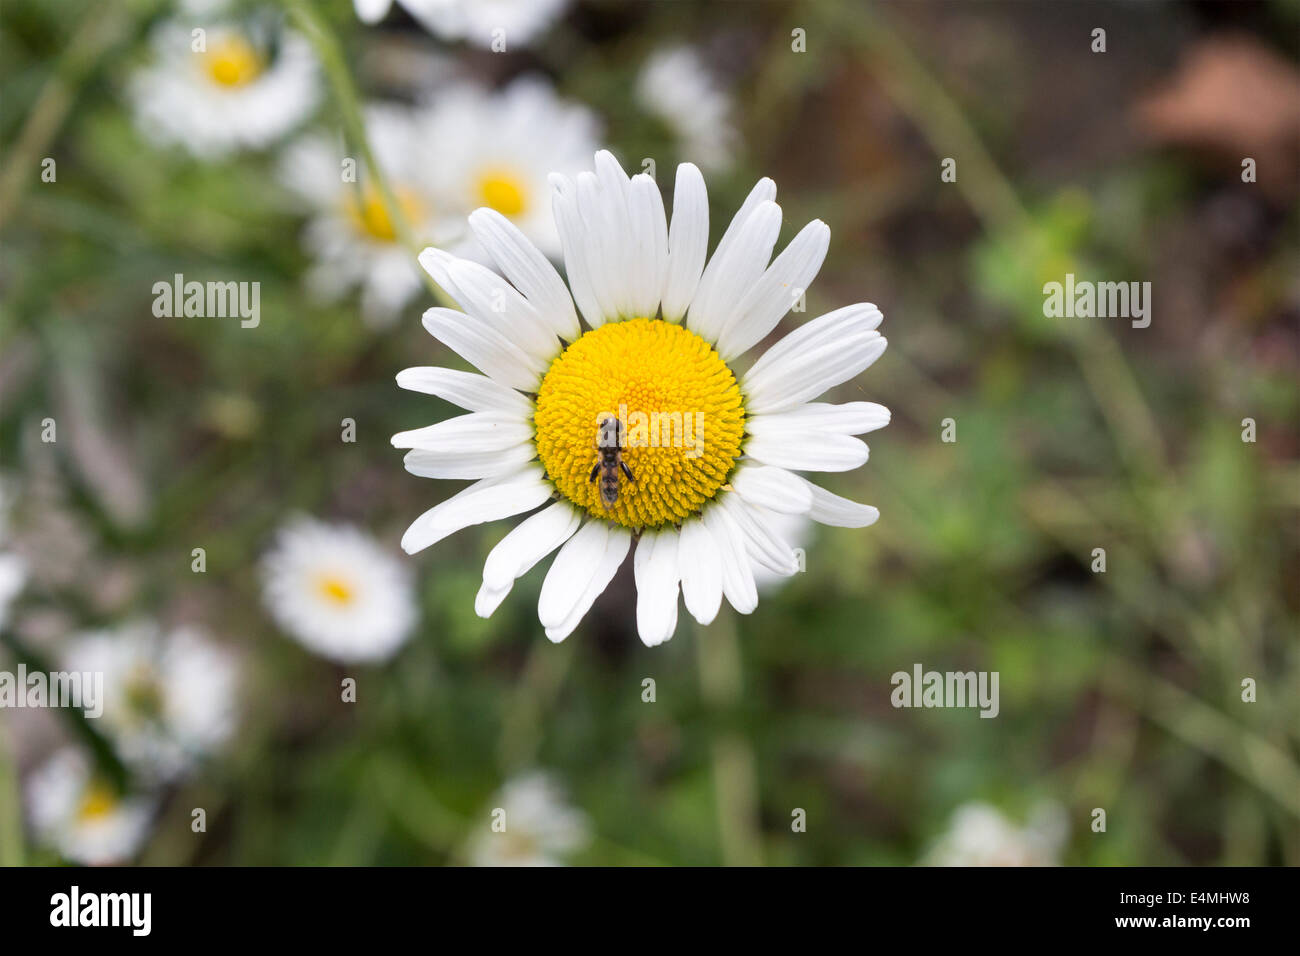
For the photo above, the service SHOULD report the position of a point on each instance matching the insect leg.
(627, 471)
(594, 472)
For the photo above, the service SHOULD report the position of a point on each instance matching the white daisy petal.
(772, 296)
(688, 241)
(603, 214)
(475, 432)
(657, 576)
(853, 418)
(737, 575)
(489, 298)
(773, 488)
(762, 542)
(475, 393)
(831, 509)
(734, 269)
(581, 571)
(531, 272)
(650, 231)
(457, 464)
(485, 500)
(813, 358)
(485, 348)
(576, 264)
(528, 542)
(486, 601)
(808, 451)
(700, 564)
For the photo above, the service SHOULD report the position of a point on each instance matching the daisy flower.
(351, 237)
(169, 698)
(81, 815)
(244, 87)
(711, 455)
(337, 592)
(473, 20)
(980, 835)
(497, 149)
(537, 826)
(675, 86)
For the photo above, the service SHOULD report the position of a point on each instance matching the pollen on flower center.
(335, 590)
(370, 215)
(97, 802)
(233, 61)
(503, 192)
(681, 419)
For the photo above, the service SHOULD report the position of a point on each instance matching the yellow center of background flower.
(232, 61)
(503, 192)
(335, 590)
(642, 370)
(371, 218)
(97, 802)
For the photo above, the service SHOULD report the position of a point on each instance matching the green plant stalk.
(11, 817)
(345, 94)
(735, 772)
(103, 25)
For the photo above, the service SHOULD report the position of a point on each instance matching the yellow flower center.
(503, 192)
(335, 589)
(97, 802)
(371, 218)
(233, 61)
(681, 420)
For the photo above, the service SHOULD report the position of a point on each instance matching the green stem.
(735, 773)
(349, 104)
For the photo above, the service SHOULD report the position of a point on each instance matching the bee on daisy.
(169, 696)
(657, 330)
(337, 592)
(82, 815)
(484, 23)
(532, 825)
(219, 88)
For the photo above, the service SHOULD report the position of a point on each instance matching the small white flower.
(169, 698)
(519, 21)
(13, 569)
(337, 592)
(245, 89)
(81, 815)
(979, 835)
(663, 331)
(541, 828)
(351, 236)
(497, 149)
(675, 86)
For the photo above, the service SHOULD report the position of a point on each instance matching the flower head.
(533, 825)
(704, 457)
(980, 835)
(476, 21)
(82, 815)
(496, 149)
(675, 86)
(337, 592)
(169, 697)
(232, 87)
